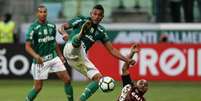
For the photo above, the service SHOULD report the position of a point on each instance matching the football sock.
(126, 79)
(32, 95)
(89, 90)
(69, 91)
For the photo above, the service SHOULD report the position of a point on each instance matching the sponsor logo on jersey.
(137, 97)
(90, 37)
(46, 39)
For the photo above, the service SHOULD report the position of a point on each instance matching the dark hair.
(99, 6)
(7, 17)
(41, 6)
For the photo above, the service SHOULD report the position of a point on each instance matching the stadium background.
(173, 68)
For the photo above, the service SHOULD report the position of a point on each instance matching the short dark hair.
(42, 6)
(7, 17)
(99, 6)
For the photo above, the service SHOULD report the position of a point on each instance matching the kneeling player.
(132, 91)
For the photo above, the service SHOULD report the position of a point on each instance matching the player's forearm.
(125, 67)
(117, 54)
(131, 55)
(62, 31)
(58, 50)
(30, 50)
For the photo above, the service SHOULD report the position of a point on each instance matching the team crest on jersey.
(50, 31)
(92, 30)
(39, 33)
(45, 31)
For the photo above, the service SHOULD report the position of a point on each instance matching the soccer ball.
(106, 84)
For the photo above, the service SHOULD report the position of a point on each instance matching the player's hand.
(39, 59)
(62, 59)
(65, 37)
(129, 61)
(135, 48)
(132, 62)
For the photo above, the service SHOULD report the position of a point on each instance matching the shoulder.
(80, 18)
(11, 23)
(101, 29)
(35, 26)
(50, 24)
(83, 18)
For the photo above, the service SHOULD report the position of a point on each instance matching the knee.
(38, 87)
(66, 79)
(97, 77)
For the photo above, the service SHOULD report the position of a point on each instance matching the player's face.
(96, 16)
(42, 14)
(142, 85)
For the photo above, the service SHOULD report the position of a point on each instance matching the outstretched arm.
(62, 31)
(126, 79)
(115, 52)
(133, 50)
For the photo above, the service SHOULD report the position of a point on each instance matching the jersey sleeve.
(125, 92)
(30, 33)
(54, 30)
(75, 22)
(105, 38)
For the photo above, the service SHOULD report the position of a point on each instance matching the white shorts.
(40, 71)
(78, 59)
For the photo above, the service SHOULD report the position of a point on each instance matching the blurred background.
(168, 31)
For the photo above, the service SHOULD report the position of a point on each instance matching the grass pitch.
(16, 90)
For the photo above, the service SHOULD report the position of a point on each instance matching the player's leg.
(126, 79)
(59, 68)
(63, 75)
(76, 41)
(39, 73)
(78, 60)
(35, 90)
(93, 74)
(91, 88)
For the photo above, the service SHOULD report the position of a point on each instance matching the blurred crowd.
(176, 9)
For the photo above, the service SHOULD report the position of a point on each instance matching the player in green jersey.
(47, 57)
(86, 31)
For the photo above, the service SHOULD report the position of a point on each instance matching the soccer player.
(86, 31)
(47, 57)
(132, 91)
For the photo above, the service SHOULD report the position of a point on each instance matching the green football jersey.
(42, 38)
(95, 33)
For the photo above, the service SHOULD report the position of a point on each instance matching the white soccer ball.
(106, 84)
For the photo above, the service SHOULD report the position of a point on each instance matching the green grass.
(16, 90)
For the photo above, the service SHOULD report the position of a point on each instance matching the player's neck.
(42, 21)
